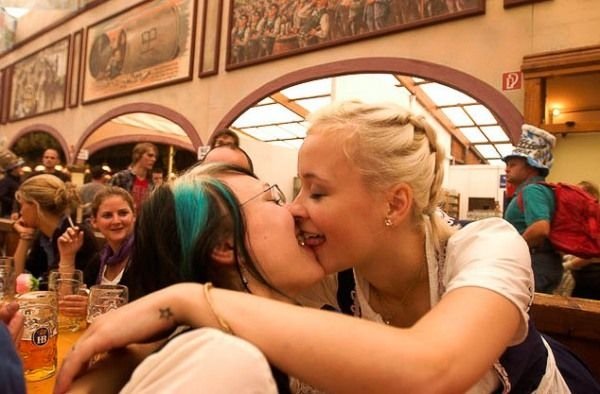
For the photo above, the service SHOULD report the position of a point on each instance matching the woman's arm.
(448, 350)
(69, 243)
(26, 236)
(110, 374)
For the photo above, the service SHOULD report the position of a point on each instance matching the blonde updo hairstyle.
(390, 145)
(50, 194)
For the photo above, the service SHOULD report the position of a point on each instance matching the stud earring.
(387, 222)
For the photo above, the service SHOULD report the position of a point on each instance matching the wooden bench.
(575, 322)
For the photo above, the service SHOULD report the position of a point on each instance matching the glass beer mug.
(67, 284)
(104, 298)
(38, 346)
(7, 278)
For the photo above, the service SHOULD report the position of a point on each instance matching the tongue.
(313, 241)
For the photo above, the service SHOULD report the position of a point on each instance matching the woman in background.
(113, 216)
(46, 205)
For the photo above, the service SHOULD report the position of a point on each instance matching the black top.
(43, 255)
(8, 186)
(92, 270)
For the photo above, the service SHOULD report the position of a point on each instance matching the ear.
(222, 253)
(93, 222)
(400, 201)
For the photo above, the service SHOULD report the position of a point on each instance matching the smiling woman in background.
(113, 215)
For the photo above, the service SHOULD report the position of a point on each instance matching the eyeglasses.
(276, 195)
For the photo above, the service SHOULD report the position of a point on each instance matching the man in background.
(13, 170)
(229, 154)
(50, 159)
(158, 177)
(224, 137)
(137, 179)
(89, 190)
(532, 208)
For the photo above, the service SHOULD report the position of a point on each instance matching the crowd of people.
(359, 283)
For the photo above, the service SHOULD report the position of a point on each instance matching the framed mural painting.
(211, 37)
(4, 94)
(75, 68)
(38, 82)
(143, 47)
(513, 3)
(261, 31)
(2, 97)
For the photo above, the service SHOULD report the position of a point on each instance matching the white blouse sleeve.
(491, 254)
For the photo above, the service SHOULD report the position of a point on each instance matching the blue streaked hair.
(182, 223)
(194, 205)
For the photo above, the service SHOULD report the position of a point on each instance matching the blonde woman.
(433, 310)
(46, 203)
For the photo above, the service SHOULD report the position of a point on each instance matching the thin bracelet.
(222, 323)
(26, 237)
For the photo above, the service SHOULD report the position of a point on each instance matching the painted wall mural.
(261, 29)
(148, 45)
(38, 82)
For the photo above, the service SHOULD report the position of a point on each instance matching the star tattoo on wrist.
(165, 313)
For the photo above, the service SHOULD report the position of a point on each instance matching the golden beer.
(38, 342)
(39, 362)
(65, 284)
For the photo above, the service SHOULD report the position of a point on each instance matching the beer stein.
(39, 339)
(104, 298)
(68, 284)
(7, 278)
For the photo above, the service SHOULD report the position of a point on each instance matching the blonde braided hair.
(390, 145)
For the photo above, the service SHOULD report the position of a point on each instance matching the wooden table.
(66, 340)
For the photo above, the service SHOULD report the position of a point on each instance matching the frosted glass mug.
(38, 342)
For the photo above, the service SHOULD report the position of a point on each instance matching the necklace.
(389, 311)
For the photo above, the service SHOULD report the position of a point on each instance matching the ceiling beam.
(433, 109)
(439, 115)
(293, 106)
